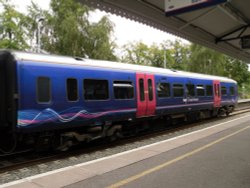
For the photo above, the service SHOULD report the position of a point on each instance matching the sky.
(122, 35)
(130, 31)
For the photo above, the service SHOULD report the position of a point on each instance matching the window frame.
(188, 95)
(210, 90)
(183, 90)
(50, 90)
(197, 93)
(223, 88)
(91, 100)
(234, 91)
(132, 84)
(77, 87)
(142, 99)
(150, 89)
(169, 89)
(219, 90)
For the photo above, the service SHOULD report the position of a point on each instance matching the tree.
(237, 70)
(34, 17)
(136, 53)
(13, 34)
(67, 31)
(99, 43)
(175, 53)
(204, 60)
(179, 54)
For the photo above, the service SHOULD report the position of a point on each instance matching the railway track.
(30, 158)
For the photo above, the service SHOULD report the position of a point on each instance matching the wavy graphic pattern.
(28, 117)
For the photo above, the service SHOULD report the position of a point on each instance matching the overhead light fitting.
(245, 42)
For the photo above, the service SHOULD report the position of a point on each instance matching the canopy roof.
(220, 27)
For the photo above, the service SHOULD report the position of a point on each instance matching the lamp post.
(165, 59)
(39, 26)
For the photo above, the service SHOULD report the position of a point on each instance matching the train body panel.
(58, 111)
(88, 99)
(186, 94)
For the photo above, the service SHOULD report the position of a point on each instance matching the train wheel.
(115, 136)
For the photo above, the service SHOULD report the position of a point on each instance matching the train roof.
(25, 56)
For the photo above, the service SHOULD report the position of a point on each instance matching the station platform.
(217, 156)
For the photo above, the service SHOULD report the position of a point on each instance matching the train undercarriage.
(63, 140)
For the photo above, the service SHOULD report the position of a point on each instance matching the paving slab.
(63, 178)
(93, 169)
(25, 185)
(102, 167)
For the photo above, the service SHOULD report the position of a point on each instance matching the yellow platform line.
(151, 170)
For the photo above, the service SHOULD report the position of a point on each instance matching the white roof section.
(219, 27)
(71, 61)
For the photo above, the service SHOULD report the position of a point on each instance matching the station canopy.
(222, 25)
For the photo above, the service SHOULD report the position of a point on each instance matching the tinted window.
(232, 91)
(209, 90)
(163, 90)
(123, 90)
(141, 84)
(96, 89)
(215, 90)
(224, 91)
(200, 90)
(72, 89)
(190, 90)
(43, 89)
(150, 90)
(218, 89)
(178, 90)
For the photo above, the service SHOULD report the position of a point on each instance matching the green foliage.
(137, 53)
(237, 70)
(176, 54)
(63, 27)
(99, 44)
(12, 29)
(204, 60)
(65, 30)
(193, 58)
(69, 32)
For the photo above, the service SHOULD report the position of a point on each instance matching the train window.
(209, 90)
(218, 90)
(43, 90)
(215, 91)
(123, 89)
(223, 91)
(72, 89)
(200, 90)
(96, 89)
(150, 90)
(163, 90)
(232, 91)
(178, 90)
(142, 95)
(190, 90)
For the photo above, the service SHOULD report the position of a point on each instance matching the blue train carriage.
(55, 101)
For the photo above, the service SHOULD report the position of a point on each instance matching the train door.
(217, 93)
(190, 92)
(146, 102)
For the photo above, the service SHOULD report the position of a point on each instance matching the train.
(50, 101)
